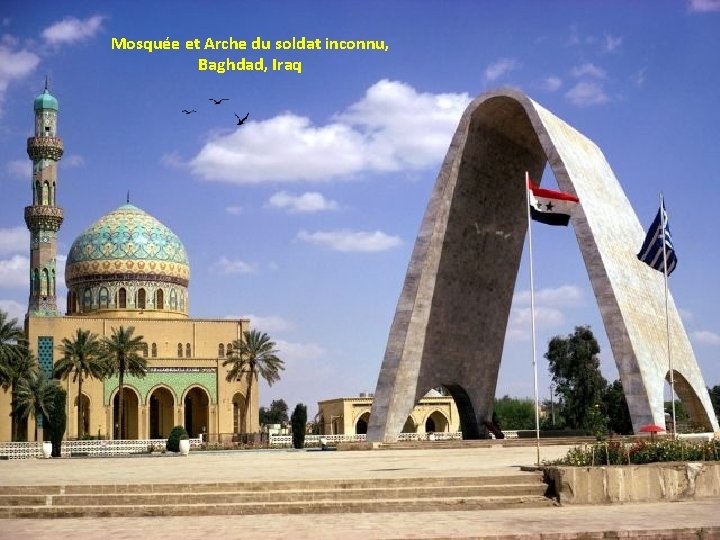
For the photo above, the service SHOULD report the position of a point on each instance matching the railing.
(284, 441)
(93, 448)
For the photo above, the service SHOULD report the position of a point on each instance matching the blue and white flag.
(651, 252)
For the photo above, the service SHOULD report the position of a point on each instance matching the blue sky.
(304, 217)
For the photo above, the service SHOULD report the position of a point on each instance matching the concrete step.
(415, 494)
(222, 497)
(532, 478)
(298, 507)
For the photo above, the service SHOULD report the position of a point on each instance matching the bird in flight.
(241, 121)
(218, 101)
(188, 112)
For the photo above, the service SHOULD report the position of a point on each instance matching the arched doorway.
(84, 414)
(238, 412)
(436, 423)
(129, 428)
(409, 426)
(690, 412)
(362, 424)
(162, 405)
(196, 411)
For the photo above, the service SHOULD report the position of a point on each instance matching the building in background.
(126, 269)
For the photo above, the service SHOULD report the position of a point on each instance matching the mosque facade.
(126, 270)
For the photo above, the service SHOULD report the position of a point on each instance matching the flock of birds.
(241, 121)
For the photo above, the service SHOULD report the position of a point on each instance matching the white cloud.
(73, 160)
(639, 78)
(14, 240)
(234, 210)
(590, 70)
(227, 266)
(519, 327)
(686, 315)
(587, 93)
(20, 168)
(612, 43)
(299, 352)
(14, 272)
(551, 84)
(706, 337)
(704, 5)
(565, 295)
(15, 310)
(270, 324)
(500, 68)
(346, 241)
(14, 65)
(308, 202)
(392, 128)
(71, 29)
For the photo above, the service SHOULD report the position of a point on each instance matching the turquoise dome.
(46, 101)
(127, 241)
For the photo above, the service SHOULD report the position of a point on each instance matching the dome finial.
(128, 196)
(46, 83)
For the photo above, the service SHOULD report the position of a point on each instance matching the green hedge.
(639, 452)
(173, 442)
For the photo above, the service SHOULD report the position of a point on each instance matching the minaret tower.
(43, 218)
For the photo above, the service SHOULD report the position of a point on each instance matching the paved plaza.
(559, 523)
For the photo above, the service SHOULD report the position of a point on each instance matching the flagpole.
(667, 318)
(532, 318)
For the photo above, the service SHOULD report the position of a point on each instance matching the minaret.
(43, 218)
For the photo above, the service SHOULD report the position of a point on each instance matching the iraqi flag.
(549, 206)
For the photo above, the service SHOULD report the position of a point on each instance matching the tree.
(298, 421)
(58, 418)
(12, 347)
(35, 395)
(82, 357)
(16, 362)
(616, 409)
(120, 353)
(513, 413)
(276, 414)
(254, 356)
(575, 370)
(715, 399)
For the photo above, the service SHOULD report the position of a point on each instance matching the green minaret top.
(46, 100)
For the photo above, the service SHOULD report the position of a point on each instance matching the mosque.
(126, 269)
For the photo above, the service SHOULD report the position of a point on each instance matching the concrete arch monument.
(450, 321)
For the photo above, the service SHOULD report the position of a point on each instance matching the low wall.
(654, 482)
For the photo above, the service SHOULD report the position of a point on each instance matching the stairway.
(519, 490)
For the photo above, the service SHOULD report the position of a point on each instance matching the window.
(46, 194)
(122, 298)
(173, 299)
(188, 351)
(144, 348)
(36, 282)
(44, 283)
(159, 299)
(87, 300)
(154, 350)
(182, 302)
(179, 350)
(221, 351)
(103, 298)
(141, 299)
(229, 349)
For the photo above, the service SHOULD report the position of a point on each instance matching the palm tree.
(12, 347)
(83, 357)
(15, 362)
(121, 357)
(255, 355)
(35, 395)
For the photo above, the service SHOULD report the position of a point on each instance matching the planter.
(184, 447)
(47, 449)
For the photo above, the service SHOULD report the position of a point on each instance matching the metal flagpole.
(667, 318)
(532, 318)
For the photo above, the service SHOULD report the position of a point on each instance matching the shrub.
(639, 452)
(176, 434)
(298, 420)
